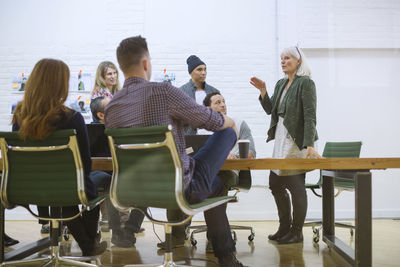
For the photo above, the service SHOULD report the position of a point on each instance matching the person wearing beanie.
(197, 88)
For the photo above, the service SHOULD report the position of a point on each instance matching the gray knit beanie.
(193, 61)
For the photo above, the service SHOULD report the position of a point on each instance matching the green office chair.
(236, 183)
(45, 173)
(148, 173)
(335, 150)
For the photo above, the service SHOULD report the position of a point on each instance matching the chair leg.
(312, 224)
(168, 256)
(317, 226)
(197, 229)
(345, 225)
(203, 228)
(54, 256)
(28, 262)
(249, 228)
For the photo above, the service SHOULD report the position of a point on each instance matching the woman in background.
(293, 126)
(42, 112)
(107, 80)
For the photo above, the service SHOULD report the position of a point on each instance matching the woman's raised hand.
(259, 84)
(312, 153)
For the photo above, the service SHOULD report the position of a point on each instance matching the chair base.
(168, 262)
(53, 259)
(203, 228)
(317, 226)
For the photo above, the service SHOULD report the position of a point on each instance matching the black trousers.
(295, 184)
(83, 228)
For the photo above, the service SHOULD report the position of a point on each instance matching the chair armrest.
(209, 203)
(95, 202)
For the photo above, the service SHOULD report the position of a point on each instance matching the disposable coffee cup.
(243, 148)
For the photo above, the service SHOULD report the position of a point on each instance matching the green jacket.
(298, 109)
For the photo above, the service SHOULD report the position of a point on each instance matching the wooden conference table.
(351, 168)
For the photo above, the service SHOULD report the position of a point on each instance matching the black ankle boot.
(95, 249)
(230, 260)
(291, 238)
(282, 231)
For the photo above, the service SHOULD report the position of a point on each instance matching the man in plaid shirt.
(143, 103)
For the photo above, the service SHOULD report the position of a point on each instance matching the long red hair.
(43, 105)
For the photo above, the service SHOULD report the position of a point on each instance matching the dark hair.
(130, 51)
(43, 105)
(96, 105)
(207, 99)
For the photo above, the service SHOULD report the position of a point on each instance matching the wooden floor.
(386, 246)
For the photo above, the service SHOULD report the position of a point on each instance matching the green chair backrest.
(45, 173)
(146, 167)
(342, 150)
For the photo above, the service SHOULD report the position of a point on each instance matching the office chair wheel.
(234, 236)
(65, 233)
(251, 237)
(193, 241)
(316, 235)
(187, 233)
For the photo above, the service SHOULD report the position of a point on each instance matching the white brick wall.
(352, 48)
(340, 23)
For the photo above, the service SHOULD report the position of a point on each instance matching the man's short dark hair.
(97, 105)
(130, 51)
(207, 99)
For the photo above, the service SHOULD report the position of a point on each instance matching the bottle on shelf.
(23, 81)
(81, 85)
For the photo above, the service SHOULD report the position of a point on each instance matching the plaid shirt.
(142, 103)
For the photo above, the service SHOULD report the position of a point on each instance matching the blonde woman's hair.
(43, 107)
(100, 81)
(297, 53)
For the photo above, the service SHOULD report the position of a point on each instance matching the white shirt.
(200, 95)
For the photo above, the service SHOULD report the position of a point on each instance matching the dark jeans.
(296, 186)
(205, 183)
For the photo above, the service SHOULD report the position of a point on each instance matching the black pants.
(295, 184)
(83, 228)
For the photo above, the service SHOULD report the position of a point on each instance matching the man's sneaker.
(229, 261)
(176, 243)
(123, 239)
(45, 229)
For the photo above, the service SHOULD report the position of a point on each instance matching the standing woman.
(42, 112)
(293, 126)
(107, 80)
